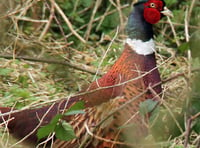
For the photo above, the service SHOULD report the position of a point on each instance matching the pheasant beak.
(167, 12)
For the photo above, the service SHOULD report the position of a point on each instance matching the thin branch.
(59, 25)
(187, 36)
(191, 9)
(103, 17)
(195, 116)
(179, 24)
(188, 128)
(108, 49)
(173, 30)
(50, 137)
(71, 65)
(89, 28)
(30, 20)
(49, 21)
(67, 22)
(187, 133)
(120, 13)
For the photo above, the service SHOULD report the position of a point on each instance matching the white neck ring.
(141, 47)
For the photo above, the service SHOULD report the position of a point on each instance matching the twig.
(49, 21)
(195, 116)
(118, 7)
(51, 137)
(186, 25)
(191, 9)
(71, 65)
(103, 17)
(120, 13)
(97, 4)
(179, 24)
(59, 25)
(173, 30)
(30, 20)
(100, 63)
(187, 134)
(67, 22)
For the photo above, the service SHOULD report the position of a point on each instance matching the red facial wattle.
(152, 15)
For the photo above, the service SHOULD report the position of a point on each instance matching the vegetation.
(46, 55)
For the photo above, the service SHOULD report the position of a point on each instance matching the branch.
(65, 63)
(89, 28)
(179, 24)
(48, 23)
(173, 31)
(180, 75)
(188, 128)
(67, 21)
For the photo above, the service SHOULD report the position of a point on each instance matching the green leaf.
(154, 114)
(183, 47)
(65, 131)
(108, 22)
(5, 71)
(45, 131)
(49, 128)
(147, 106)
(87, 3)
(55, 119)
(76, 109)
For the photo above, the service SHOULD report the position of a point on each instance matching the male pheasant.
(133, 73)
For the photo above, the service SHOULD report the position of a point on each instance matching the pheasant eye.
(152, 5)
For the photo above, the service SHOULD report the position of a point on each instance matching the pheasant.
(133, 73)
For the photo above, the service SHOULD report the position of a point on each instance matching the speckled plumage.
(132, 69)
